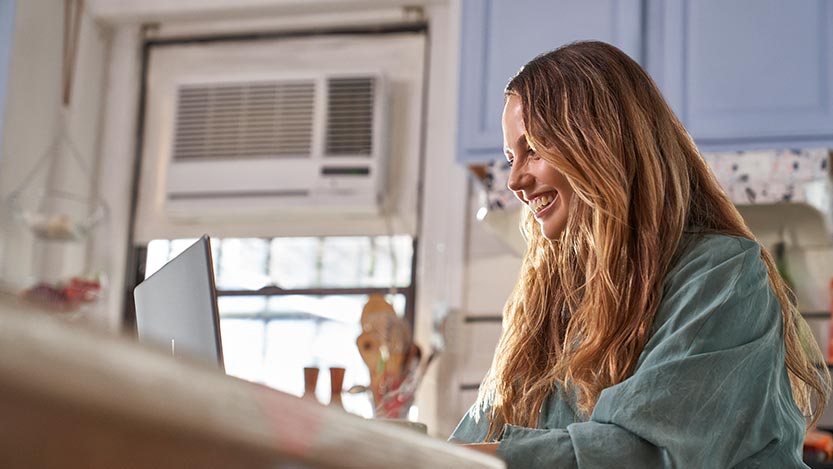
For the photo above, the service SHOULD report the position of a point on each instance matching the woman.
(648, 328)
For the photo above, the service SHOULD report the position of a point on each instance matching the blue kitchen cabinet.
(499, 36)
(745, 74)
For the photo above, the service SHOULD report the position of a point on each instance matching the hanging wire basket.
(63, 219)
(57, 215)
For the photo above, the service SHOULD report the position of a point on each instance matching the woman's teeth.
(538, 204)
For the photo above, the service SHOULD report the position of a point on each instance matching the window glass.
(157, 255)
(242, 263)
(243, 343)
(178, 245)
(391, 257)
(346, 261)
(294, 262)
(242, 305)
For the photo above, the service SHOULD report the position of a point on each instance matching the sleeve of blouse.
(472, 427)
(710, 389)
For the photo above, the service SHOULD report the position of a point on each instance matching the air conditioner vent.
(274, 144)
(350, 116)
(244, 120)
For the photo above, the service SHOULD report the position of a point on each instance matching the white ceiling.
(131, 11)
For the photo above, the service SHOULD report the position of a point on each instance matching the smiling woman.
(534, 181)
(648, 328)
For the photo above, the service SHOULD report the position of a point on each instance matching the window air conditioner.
(305, 143)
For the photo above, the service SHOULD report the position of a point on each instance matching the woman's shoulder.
(709, 270)
(717, 294)
(715, 245)
(718, 253)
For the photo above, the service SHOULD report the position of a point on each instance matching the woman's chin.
(550, 236)
(552, 233)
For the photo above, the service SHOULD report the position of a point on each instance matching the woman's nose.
(519, 178)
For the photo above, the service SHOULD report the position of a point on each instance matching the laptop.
(176, 307)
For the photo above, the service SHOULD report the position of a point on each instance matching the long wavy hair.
(584, 305)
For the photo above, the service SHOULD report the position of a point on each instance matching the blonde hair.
(584, 305)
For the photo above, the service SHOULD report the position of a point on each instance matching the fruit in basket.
(58, 227)
(64, 296)
(82, 289)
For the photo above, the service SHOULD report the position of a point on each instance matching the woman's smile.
(541, 204)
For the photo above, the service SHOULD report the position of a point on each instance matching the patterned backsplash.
(750, 177)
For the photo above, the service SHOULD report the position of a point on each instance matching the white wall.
(33, 119)
(158, 11)
(115, 169)
(32, 105)
(442, 236)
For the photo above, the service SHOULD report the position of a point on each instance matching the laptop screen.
(176, 307)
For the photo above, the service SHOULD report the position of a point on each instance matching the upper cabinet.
(740, 74)
(500, 36)
(746, 73)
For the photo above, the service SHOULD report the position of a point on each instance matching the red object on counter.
(820, 443)
(64, 297)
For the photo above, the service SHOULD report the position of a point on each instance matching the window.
(289, 303)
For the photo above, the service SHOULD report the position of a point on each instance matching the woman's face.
(534, 181)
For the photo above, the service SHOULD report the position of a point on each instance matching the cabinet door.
(746, 73)
(499, 36)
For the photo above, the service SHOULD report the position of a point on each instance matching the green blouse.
(710, 389)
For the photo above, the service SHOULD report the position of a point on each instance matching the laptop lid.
(176, 307)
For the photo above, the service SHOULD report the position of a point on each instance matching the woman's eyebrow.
(522, 141)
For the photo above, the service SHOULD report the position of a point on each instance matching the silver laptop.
(176, 307)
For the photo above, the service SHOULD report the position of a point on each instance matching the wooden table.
(74, 397)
